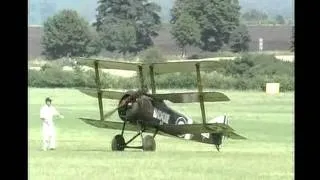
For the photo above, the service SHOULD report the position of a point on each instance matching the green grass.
(84, 152)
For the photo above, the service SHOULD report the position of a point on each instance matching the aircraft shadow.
(105, 150)
(91, 150)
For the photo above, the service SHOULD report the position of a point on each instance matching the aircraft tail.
(216, 138)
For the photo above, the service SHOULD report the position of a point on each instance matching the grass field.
(84, 152)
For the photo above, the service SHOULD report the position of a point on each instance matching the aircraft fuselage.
(149, 111)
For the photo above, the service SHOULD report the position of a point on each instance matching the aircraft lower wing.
(197, 129)
(116, 125)
(170, 130)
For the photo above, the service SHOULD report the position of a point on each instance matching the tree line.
(39, 10)
(129, 27)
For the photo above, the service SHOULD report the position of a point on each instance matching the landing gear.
(118, 143)
(148, 142)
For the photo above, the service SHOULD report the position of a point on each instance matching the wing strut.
(141, 77)
(153, 85)
(200, 91)
(98, 83)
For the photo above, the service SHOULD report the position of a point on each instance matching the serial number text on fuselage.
(162, 116)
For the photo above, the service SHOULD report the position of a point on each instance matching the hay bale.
(272, 88)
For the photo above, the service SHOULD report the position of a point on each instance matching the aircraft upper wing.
(184, 97)
(158, 68)
(186, 66)
(108, 64)
(108, 94)
(189, 97)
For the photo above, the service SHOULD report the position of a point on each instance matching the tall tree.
(239, 39)
(280, 19)
(119, 36)
(127, 25)
(217, 19)
(66, 33)
(186, 31)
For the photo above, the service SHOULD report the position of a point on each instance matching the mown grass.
(84, 152)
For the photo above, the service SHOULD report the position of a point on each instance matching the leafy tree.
(280, 19)
(66, 33)
(217, 19)
(186, 31)
(94, 46)
(240, 39)
(120, 36)
(127, 25)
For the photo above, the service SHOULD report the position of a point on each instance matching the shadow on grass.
(109, 150)
(92, 150)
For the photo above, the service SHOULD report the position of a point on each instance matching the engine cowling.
(135, 105)
(122, 112)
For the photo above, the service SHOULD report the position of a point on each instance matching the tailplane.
(216, 138)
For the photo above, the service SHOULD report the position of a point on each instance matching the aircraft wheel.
(148, 143)
(118, 143)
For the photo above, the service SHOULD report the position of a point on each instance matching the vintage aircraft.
(143, 112)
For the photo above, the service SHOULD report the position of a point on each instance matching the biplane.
(145, 112)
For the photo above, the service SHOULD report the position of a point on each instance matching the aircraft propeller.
(108, 114)
(124, 102)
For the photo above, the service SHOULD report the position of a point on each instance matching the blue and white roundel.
(181, 120)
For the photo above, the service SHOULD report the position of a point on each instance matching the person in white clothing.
(47, 113)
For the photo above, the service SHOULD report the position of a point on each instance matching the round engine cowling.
(122, 111)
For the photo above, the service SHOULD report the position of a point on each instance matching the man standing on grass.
(47, 113)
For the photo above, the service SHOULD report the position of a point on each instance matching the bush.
(51, 77)
(176, 80)
(198, 56)
(218, 81)
(152, 55)
(206, 54)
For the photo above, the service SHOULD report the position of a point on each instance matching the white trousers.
(49, 136)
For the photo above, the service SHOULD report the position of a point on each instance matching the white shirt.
(47, 112)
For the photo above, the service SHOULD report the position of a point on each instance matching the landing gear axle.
(148, 142)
